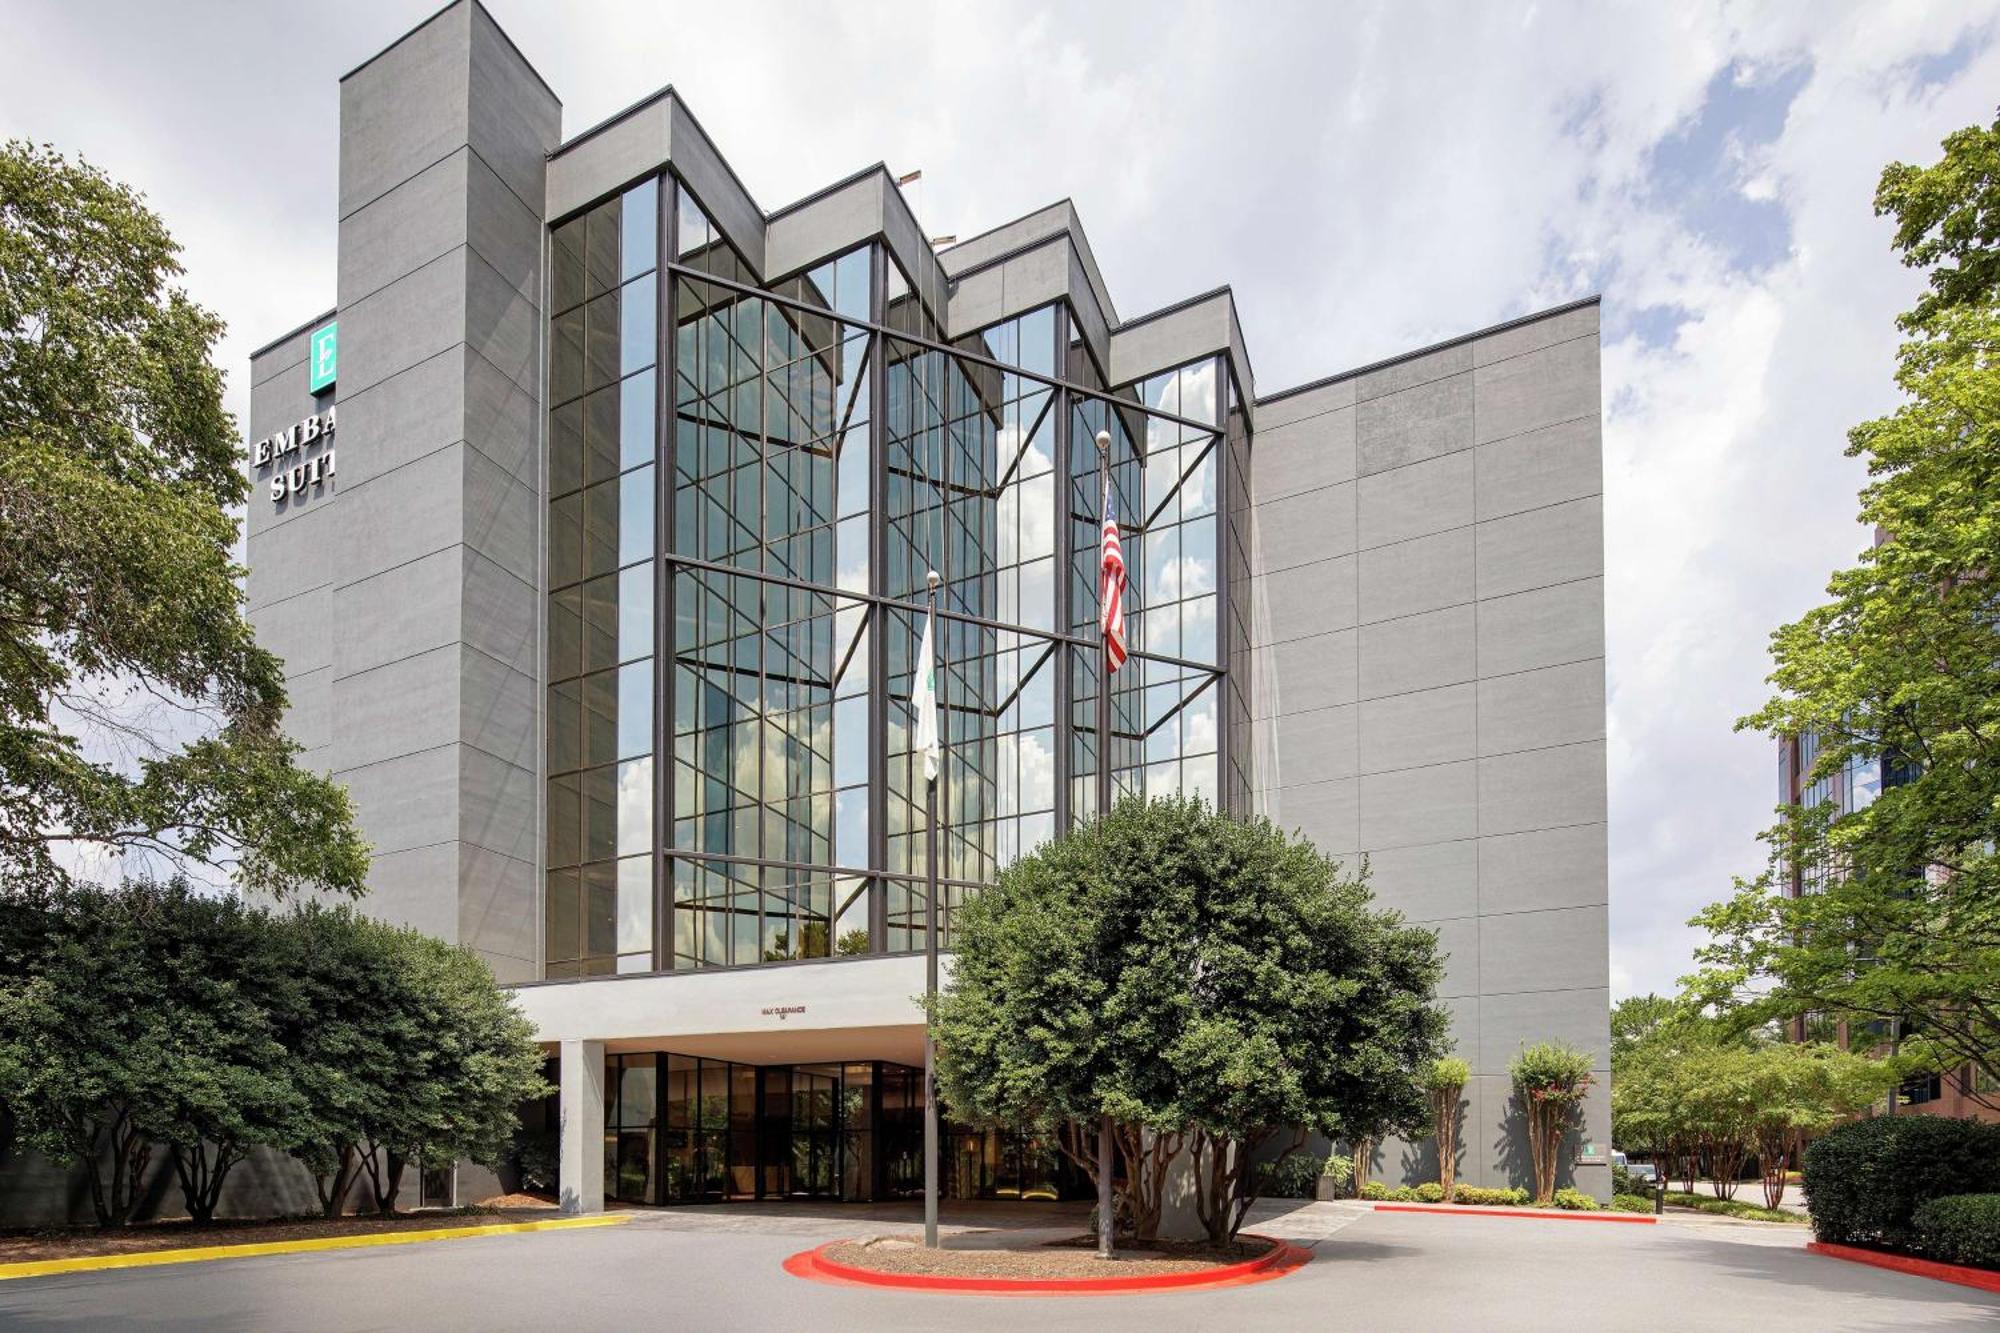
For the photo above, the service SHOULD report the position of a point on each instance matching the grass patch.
(1739, 1208)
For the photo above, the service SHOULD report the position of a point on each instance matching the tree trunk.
(201, 1175)
(1364, 1158)
(1725, 1164)
(1774, 1159)
(1447, 1139)
(385, 1176)
(334, 1189)
(131, 1152)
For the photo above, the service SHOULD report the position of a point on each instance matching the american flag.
(1111, 587)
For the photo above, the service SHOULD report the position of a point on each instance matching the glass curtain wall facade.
(747, 486)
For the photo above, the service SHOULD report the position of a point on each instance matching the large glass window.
(598, 909)
(760, 800)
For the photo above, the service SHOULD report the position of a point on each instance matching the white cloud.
(1368, 178)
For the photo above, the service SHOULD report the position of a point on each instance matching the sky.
(1368, 178)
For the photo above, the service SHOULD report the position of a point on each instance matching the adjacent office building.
(1964, 1092)
(593, 521)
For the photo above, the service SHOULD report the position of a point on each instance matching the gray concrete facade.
(403, 598)
(1412, 583)
(1427, 625)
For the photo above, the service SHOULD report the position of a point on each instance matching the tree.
(1798, 1090)
(347, 1039)
(1654, 1079)
(1902, 665)
(151, 1017)
(1446, 1085)
(464, 1058)
(223, 1082)
(136, 711)
(1211, 984)
(1550, 1080)
(79, 1037)
(1634, 1019)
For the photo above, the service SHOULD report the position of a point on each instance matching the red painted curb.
(1983, 1278)
(1282, 1258)
(1542, 1214)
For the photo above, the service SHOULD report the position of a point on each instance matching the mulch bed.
(29, 1246)
(1074, 1257)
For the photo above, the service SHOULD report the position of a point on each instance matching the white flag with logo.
(924, 700)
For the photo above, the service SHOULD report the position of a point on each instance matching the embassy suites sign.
(285, 452)
(297, 467)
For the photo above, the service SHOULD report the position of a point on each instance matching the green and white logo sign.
(325, 357)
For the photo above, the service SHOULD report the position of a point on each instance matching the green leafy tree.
(1211, 984)
(1903, 662)
(1798, 1090)
(1551, 1080)
(80, 1039)
(136, 711)
(1636, 1018)
(223, 1080)
(1445, 1084)
(349, 1038)
(463, 1060)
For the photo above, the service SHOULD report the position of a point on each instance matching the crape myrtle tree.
(1445, 1084)
(1902, 923)
(1799, 1090)
(80, 1048)
(137, 713)
(1211, 984)
(1694, 1089)
(154, 1018)
(1550, 1082)
(463, 1060)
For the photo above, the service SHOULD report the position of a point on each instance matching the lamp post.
(1106, 1222)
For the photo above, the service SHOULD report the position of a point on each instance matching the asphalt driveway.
(718, 1268)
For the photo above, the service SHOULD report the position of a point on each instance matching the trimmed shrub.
(1430, 1192)
(1960, 1229)
(1295, 1177)
(1575, 1201)
(1865, 1180)
(1738, 1208)
(1374, 1190)
(1631, 1203)
(1494, 1198)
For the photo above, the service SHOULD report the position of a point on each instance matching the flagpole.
(1106, 1223)
(930, 952)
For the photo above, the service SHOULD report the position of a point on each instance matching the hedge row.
(1960, 1229)
(1867, 1182)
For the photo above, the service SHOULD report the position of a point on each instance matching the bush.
(1338, 1168)
(1374, 1190)
(1294, 1177)
(1865, 1180)
(1575, 1201)
(1960, 1229)
(1430, 1192)
(1738, 1208)
(1491, 1198)
(1631, 1203)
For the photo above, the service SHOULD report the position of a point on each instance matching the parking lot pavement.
(719, 1269)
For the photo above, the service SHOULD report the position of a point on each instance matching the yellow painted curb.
(148, 1258)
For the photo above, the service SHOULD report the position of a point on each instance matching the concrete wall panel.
(1398, 429)
(1309, 454)
(1530, 872)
